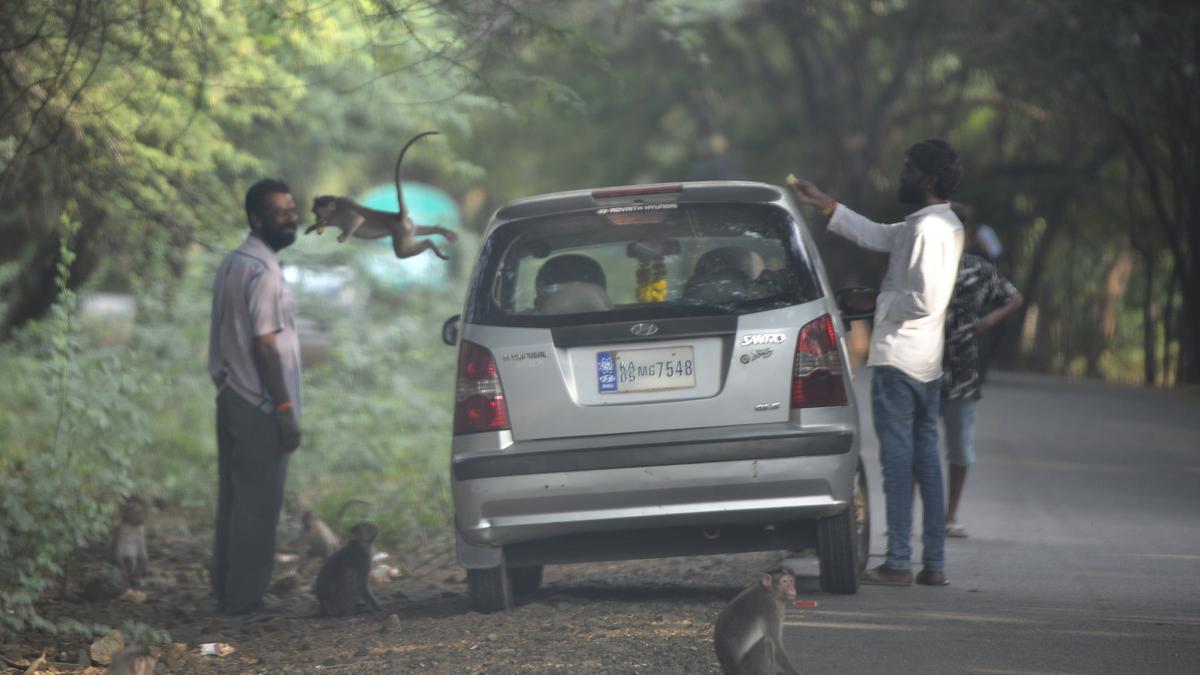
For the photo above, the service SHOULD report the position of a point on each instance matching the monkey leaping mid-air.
(354, 219)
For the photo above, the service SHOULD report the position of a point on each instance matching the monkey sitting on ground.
(749, 632)
(318, 540)
(356, 220)
(129, 542)
(341, 586)
(133, 661)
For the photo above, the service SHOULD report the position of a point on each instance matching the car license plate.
(646, 369)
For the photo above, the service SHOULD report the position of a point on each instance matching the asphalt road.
(1083, 556)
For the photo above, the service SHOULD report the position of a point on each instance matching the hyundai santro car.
(649, 371)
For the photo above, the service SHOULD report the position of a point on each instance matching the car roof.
(681, 193)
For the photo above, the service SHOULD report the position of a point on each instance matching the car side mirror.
(450, 330)
(856, 302)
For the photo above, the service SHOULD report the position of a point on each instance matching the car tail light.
(817, 371)
(479, 399)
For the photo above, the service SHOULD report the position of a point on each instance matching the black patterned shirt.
(978, 290)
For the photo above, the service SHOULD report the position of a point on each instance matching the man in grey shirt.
(254, 360)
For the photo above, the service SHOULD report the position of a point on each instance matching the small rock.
(103, 650)
(393, 620)
(285, 584)
(83, 659)
(492, 637)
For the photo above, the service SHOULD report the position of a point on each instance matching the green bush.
(69, 431)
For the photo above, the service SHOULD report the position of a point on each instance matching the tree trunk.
(1169, 326)
(1149, 324)
(1033, 282)
(35, 290)
(1115, 283)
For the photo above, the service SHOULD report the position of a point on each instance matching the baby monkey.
(356, 220)
(129, 542)
(341, 586)
(749, 632)
(318, 540)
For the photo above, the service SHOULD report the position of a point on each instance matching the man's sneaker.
(956, 530)
(883, 575)
(928, 577)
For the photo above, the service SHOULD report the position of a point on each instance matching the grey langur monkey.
(341, 586)
(749, 633)
(354, 219)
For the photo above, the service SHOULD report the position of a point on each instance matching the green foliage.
(69, 430)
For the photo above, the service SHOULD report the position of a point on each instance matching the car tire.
(862, 518)
(525, 580)
(840, 538)
(490, 590)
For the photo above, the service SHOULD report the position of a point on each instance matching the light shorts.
(958, 416)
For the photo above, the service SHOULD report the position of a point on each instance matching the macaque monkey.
(129, 542)
(133, 661)
(341, 586)
(749, 632)
(318, 540)
(356, 220)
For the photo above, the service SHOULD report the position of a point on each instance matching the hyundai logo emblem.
(643, 329)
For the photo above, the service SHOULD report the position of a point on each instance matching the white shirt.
(910, 313)
(250, 298)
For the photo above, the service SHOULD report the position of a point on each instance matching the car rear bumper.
(778, 476)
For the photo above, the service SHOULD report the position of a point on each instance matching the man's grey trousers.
(251, 468)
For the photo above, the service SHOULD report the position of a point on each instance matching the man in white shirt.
(254, 361)
(906, 347)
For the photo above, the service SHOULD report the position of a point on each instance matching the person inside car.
(569, 284)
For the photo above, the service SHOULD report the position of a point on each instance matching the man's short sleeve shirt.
(251, 298)
(978, 290)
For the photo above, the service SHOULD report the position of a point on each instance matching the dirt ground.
(631, 617)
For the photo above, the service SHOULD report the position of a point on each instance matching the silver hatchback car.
(651, 371)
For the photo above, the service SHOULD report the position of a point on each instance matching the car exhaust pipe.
(712, 533)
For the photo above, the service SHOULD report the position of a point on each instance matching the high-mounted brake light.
(479, 399)
(817, 371)
(663, 188)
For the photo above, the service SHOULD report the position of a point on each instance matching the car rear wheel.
(842, 541)
(525, 580)
(862, 518)
(490, 590)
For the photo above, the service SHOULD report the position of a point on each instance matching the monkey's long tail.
(337, 522)
(399, 161)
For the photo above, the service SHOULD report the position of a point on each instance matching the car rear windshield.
(641, 262)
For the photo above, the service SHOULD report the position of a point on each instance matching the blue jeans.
(906, 421)
(958, 415)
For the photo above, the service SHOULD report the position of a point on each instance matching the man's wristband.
(828, 210)
(286, 405)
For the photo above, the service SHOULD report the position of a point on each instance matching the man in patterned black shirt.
(982, 298)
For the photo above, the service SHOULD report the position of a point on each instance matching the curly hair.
(256, 196)
(934, 157)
